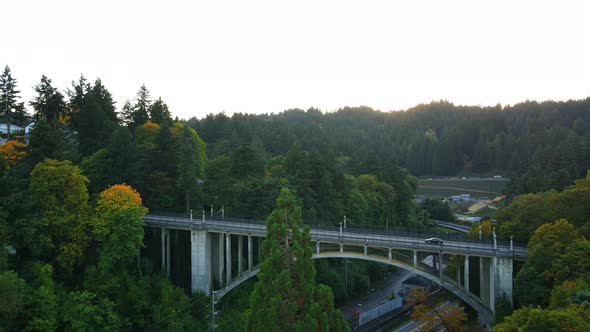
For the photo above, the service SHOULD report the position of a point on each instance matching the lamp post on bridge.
(344, 222)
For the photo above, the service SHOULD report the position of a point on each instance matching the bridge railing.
(364, 231)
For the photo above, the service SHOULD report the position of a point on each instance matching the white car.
(434, 240)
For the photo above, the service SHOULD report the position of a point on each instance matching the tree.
(159, 112)
(49, 102)
(13, 151)
(537, 319)
(10, 110)
(451, 315)
(44, 301)
(141, 108)
(12, 300)
(96, 119)
(286, 297)
(191, 162)
(119, 227)
(84, 311)
(46, 141)
(61, 197)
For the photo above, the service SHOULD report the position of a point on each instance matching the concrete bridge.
(213, 242)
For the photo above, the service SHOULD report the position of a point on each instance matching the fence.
(380, 311)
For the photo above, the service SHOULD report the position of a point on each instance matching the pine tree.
(286, 297)
(10, 110)
(141, 107)
(49, 102)
(96, 119)
(159, 112)
(126, 115)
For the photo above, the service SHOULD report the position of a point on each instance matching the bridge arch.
(485, 314)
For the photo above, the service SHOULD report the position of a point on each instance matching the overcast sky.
(267, 56)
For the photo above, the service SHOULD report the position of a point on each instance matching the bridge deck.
(357, 237)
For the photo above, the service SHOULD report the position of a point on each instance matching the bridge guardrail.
(354, 233)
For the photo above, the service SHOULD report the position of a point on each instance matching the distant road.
(461, 189)
(453, 226)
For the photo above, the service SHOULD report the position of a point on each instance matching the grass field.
(478, 187)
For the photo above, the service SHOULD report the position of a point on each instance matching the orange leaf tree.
(118, 226)
(13, 151)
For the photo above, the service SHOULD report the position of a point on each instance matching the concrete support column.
(228, 257)
(250, 257)
(163, 242)
(466, 273)
(220, 258)
(415, 258)
(492, 277)
(240, 254)
(259, 250)
(504, 277)
(365, 250)
(481, 278)
(458, 269)
(200, 261)
(389, 253)
(168, 252)
(317, 247)
(485, 279)
(440, 266)
(341, 248)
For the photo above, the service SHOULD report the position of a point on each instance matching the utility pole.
(344, 222)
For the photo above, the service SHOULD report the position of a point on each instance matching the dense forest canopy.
(75, 189)
(539, 145)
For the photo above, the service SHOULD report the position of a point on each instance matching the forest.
(74, 190)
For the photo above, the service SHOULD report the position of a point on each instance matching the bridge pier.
(317, 247)
(227, 257)
(504, 277)
(440, 266)
(250, 259)
(200, 261)
(466, 274)
(492, 283)
(415, 258)
(163, 243)
(240, 254)
(220, 258)
(458, 270)
(259, 250)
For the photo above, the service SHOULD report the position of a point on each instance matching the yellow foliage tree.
(119, 227)
(13, 151)
(450, 315)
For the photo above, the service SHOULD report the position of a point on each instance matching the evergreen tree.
(10, 109)
(141, 108)
(286, 297)
(49, 102)
(126, 115)
(96, 119)
(159, 112)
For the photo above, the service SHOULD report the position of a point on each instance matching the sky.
(252, 56)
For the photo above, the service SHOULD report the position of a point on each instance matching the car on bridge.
(434, 240)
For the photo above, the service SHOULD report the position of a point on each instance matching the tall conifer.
(286, 296)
